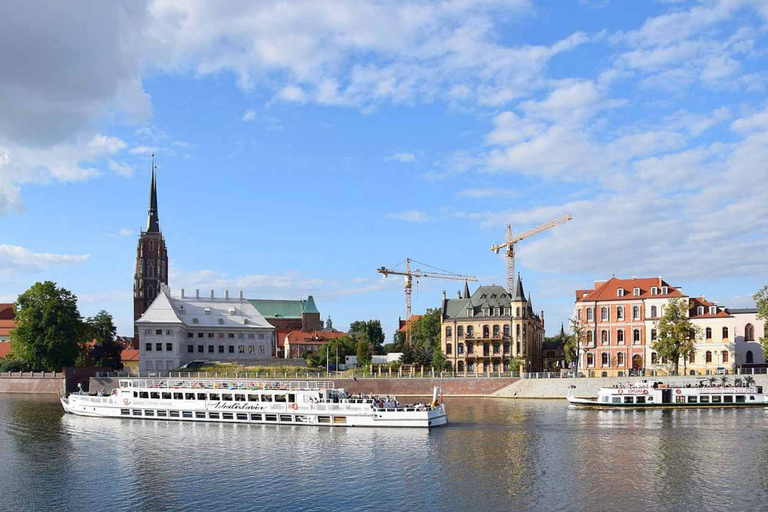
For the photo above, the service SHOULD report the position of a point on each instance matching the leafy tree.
(571, 345)
(50, 329)
(347, 346)
(364, 349)
(761, 302)
(372, 329)
(106, 351)
(438, 360)
(676, 333)
(425, 339)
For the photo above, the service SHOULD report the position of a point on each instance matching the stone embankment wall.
(588, 387)
(45, 383)
(456, 387)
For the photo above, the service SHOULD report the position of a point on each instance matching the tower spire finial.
(153, 220)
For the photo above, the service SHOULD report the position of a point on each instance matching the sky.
(301, 145)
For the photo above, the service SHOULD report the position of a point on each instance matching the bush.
(14, 364)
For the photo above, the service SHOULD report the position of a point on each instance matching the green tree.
(106, 351)
(438, 360)
(364, 349)
(372, 329)
(425, 339)
(572, 340)
(676, 333)
(346, 345)
(761, 302)
(50, 330)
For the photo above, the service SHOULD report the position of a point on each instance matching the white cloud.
(248, 116)
(143, 150)
(120, 168)
(484, 193)
(410, 216)
(403, 157)
(16, 260)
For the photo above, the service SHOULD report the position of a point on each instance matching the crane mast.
(509, 245)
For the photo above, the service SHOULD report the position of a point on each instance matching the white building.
(749, 329)
(177, 331)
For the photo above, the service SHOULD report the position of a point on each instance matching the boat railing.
(228, 384)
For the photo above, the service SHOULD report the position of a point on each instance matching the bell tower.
(151, 260)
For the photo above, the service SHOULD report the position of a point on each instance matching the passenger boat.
(255, 401)
(655, 394)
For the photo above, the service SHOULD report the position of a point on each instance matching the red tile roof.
(694, 304)
(312, 337)
(608, 290)
(6, 311)
(6, 326)
(129, 354)
(5, 349)
(404, 324)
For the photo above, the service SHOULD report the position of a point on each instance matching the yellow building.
(490, 329)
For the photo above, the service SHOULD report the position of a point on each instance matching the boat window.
(270, 417)
(166, 396)
(300, 419)
(239, 398)
(173, 414)
(226, 397)
(136, 412)
(279, 398)
(255, 417)
(149, 413)
(285, 418)
(242, 416)
(604, 399)
(125, 412)
(162, 414)
(154, 395)
(186, 414)
(716, 399)
(214, 396)
(616, 400)
(692, 400)
(200, 415)
(628, 399)
(751, 398)
(680, 399)
(291, 397)
(213, 415)
(178, 396)
(189, 396)
(143, 394)
(704, 399)
(227, 416)
(640, 400)
(266, 398)
(340, 420)
(201, 396)
(728, 399)
(740, 399)
(253, 398)
(323, 419)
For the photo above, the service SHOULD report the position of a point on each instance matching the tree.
(49, 329)
(364, 349)
(106, 351)
(676, 333)
(761, 302)
(438, 360)
(425, 339)
(572, 341)
(372, 329)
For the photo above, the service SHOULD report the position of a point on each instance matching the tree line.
(51, 334)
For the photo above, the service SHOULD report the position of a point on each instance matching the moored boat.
(255, 401)
(656, 394)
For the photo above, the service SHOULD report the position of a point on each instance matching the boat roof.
(228, 384)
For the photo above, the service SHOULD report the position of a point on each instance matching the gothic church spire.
(153, 220)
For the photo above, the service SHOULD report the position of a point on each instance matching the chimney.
(444, 297)
(211, 293)
(182, 293)
(197, 293)
(458, 294)
(241, 294)
(660, 282)
(226, 294)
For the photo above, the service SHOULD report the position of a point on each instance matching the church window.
(150, 292)
(749, 333)
(151, 245)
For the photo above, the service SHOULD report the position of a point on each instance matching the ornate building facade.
(151, 270)
(488, 330)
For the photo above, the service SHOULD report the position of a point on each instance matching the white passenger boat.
(654, 394)
(255, 401)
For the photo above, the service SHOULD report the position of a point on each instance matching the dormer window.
(181, 309)
(221, 321)
(700, 310)
(207, 310)
(195, 321)
(665, 290)
(712, 310)
(636, 291)
(231, 310)
(620, 292)
(654, 291)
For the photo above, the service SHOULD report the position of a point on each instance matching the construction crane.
(417, 274)
(512, 240)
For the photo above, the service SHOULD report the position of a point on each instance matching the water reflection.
(496, 455)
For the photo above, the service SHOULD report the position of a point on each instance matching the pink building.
(749, 330)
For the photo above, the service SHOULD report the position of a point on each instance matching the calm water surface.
(495, 455)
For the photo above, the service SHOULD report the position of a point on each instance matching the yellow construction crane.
(512, 240)
(417, 274)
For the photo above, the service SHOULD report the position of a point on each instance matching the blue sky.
(302, 145)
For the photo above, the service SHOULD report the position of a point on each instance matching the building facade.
(178, 331)
(747, 333)
(287, 316)
(7, 321)
(491, 329)
(151, 271)
(298, 343)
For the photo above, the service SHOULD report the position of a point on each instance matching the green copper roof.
(308, 306)
(278, 308)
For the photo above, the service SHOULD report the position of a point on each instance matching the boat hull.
(592, 403)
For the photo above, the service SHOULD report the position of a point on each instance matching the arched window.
(589, 336)
(604, 314)
(517, 330)
(589, 314)
(692, 357)
(750, 357)
(620, 359)
(150, 292)
(604, 359)
(496, 331)
(749, 333)
(725, 356)
(709, 333)
(654, 312)
(636, 313)
(486, 331)
(448, 349)
(725, 333)
(151, 245)
(653, 334)
(620, 336)
(620, 313)
(604, 337)
(506, 330)
(448, 332)
(636, 336)
(700, 310)
(460, 331)
(654, 357)
(590, 360)
(578, 315)
(709, 356)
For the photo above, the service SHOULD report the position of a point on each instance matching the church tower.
(151, 260)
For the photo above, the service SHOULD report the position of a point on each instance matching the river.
(495, 455)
